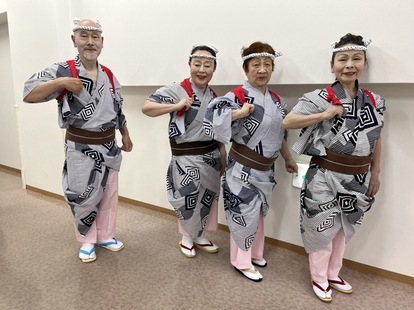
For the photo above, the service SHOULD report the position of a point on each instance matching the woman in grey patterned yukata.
(341, 131)
(193, 176)
(251, 117)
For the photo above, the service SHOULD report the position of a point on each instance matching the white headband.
(273, 56)
(203, 55)
(350, 47)
(195, 55)
(87, 28)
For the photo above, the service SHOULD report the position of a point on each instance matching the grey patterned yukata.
(329, 200)
(193, 181)
(86, 167)
(247, 191)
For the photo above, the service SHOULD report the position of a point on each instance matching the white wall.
(290, 26)
(9, 146)
(385, 239)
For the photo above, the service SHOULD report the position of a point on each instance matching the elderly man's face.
(89, 43)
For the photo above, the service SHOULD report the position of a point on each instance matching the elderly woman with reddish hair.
(251, 117)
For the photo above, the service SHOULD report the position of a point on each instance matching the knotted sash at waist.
(90, 137)
(192, 148)
(343, 163)
(249, 158)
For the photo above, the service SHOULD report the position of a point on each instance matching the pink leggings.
(327, 263)
(103, 227)
(243, 259)
(211, 222)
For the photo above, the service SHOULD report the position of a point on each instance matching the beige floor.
(39, 267)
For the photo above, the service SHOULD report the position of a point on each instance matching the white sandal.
(341, 285)
(324, 294)
(251, 274)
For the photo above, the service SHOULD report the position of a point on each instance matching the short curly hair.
(349, 38)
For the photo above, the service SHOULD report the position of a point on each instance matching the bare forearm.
(376, 158)
(124, 130)
(285, 152)
(153, 109)
(43, 90)
(296, 121)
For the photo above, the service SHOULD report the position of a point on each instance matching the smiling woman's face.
(201, 69)
(348, 66)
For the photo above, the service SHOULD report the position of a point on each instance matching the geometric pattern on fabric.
(239, 220)
(347, 202)
(302, 196)
(259, 148)
(327, 205)
(179, 215)
(351, 136)
(87, 112)
(191, 201)
(180, 169)
(208, 129)
(209, 159)
(361, 178)
(324, 94)
(251, 125)
(96, 156)
(204, 221)
(101, 90)
(208, 198)
(109, 145)
(162, 98)
(230, 200)
(351, 110)
(328, 222)
(192, 174)
(169, 184)
(337, 124)
(367, 118)
(42, 74)
(244, 176)
(87, 84)
(196, 101)
(249, 99)
(249, 241)
(173, 131)
(87, 193)
(89, 219)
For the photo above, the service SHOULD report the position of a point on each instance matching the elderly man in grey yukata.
(90, 109)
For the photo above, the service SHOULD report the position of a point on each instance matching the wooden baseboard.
(10, 170)
(43, 192)
(294, 248)
(289, 246)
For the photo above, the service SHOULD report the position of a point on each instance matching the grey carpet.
(40, 269)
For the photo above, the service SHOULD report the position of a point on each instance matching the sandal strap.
(206, 244)
(341, 282)
(187, 248)
(321, 288)
(249, 270)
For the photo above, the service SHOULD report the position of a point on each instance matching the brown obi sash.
(90, 137)
(249, 158)
(342, 163)
(193, 148)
